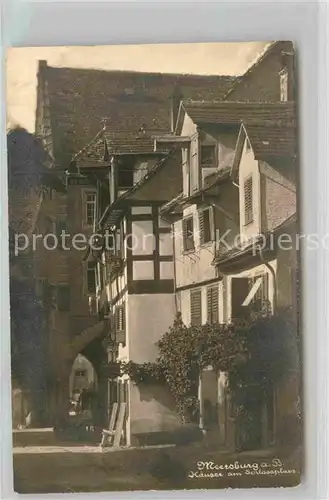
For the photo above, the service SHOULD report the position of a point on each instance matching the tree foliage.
(255, 353)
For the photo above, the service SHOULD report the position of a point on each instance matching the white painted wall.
(150, 316)
(151, 409)
(142, 238)
(143, 270)
(165, 244)
(194, 266)
(141, 210)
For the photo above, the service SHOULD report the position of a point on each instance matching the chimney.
(176, 99)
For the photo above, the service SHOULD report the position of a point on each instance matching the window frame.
(86, 204)
(87, 270)
(197, 318)
(201, 220)
(210, 311)
(212, 146)
(188, 236)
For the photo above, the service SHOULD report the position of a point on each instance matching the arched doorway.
(82, 377)
(86, 384)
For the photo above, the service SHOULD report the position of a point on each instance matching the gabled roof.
(233, 113)
(114, 212)
(268, 139)
(109, 143)
(123, 143)
(79, 99)
(271, 139)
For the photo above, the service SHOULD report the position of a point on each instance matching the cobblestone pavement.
(56, 469)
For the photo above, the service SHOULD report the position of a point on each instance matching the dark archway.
(97, 356)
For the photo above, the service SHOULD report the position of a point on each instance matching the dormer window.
(284, 84)
(208, 155)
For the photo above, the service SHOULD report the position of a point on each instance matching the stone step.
(33, 437)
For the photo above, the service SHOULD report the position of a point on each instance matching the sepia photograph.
(154, 237)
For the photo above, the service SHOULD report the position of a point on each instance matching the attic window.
(284, 84)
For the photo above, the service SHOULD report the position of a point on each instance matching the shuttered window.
(205, 226)
(248, 201)
(212, 304)
(195, 305)
(188, 234)
(120, 318)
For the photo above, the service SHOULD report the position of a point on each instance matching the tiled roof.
(80, 99)
(271, 139)
(118, 143)
(127, 143)
(231, 112)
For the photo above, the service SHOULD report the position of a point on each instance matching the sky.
(200, 58)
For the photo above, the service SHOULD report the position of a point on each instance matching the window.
(120, 323)
(248, 201)
(205, 226)
(260, 300)
(91, 201)
(188, 234)
(195, 307)
(208, 156)
(63, 297)
(80, 373)
(284, 85)
(126, 173)
(91, 277)
(212, 304)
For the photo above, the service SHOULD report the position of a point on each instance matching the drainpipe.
(275, 300)
(201, 402)
(174, 262)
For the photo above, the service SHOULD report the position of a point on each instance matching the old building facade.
(72, 106)
(171, 172)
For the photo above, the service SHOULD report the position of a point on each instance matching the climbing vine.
(255, 353)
